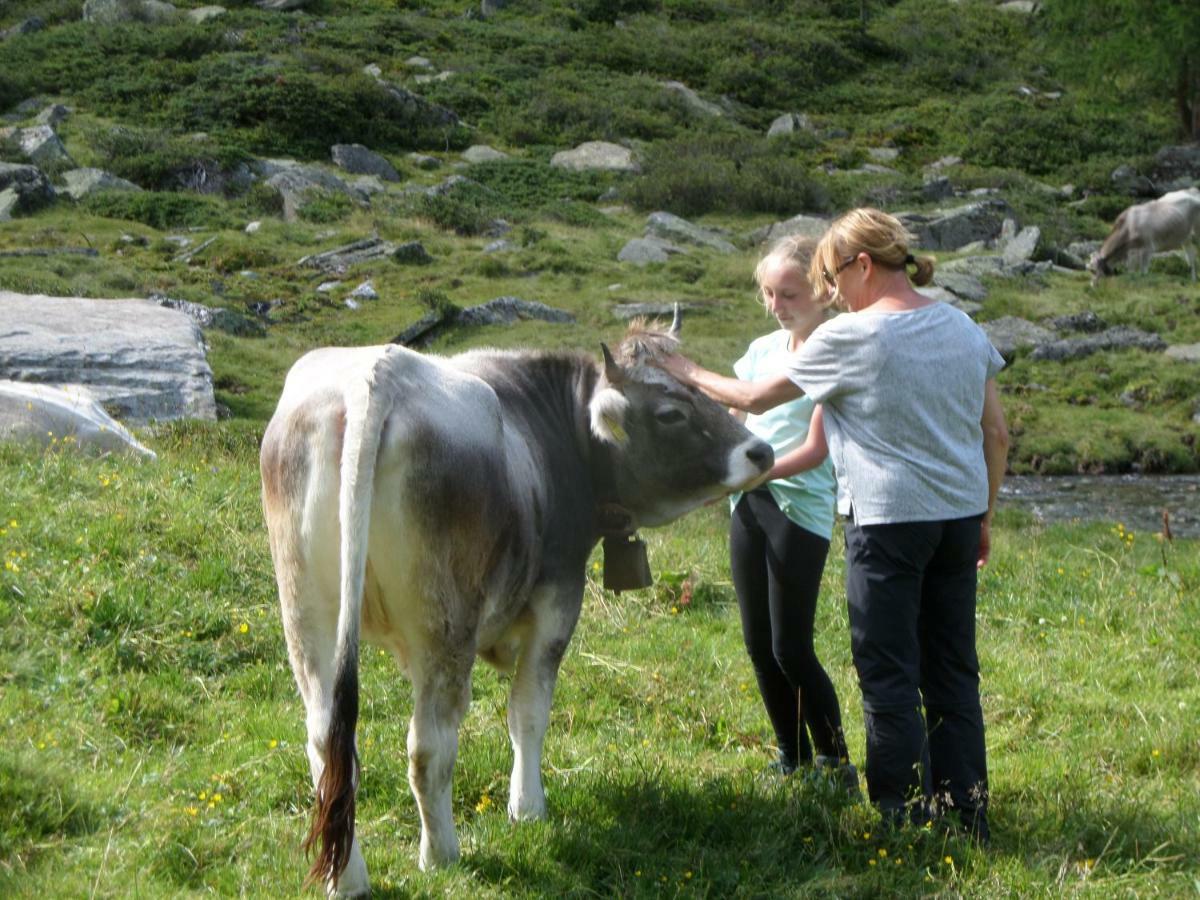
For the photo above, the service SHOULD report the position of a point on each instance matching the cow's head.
(1098, 266)
(672, 448)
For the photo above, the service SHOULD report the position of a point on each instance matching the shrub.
(467, 208)
(529, 184)
(156, 159)
(161, 209)
(322, 207)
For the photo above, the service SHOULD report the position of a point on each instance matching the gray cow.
(446, 507)
(1171, 222)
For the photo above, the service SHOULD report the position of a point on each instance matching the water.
(1136, 501)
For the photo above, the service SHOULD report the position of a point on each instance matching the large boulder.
(53, 417)
(482, 153)
(120, 12)
(358, 160)
(140, 361)
(951, 229)
(693, 101)
(642, 251)
(298, 184)
(1122, 337)
(39, 143)
(80, 183)
(1176, 167)
(1010, 334)
(27, 184)
(670, 227)
(600, 155)
(791, 123)
(809, 226)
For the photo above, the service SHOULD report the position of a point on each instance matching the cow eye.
(669, 416)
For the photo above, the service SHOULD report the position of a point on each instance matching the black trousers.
(776, 567)
(911, 592)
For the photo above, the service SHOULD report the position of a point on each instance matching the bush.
(156, 159)
(466, 208)
(161, 209)
(528, 184)
(322, 207)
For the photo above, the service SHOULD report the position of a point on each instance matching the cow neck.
(612, 518)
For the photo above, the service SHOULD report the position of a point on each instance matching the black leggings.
(777, 568)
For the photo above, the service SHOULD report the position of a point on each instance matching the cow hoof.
(437, 859)
(526, 813)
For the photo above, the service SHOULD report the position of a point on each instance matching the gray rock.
(883, 154)
(1083, 249)
(481, 153)
(53, 115)
(9, 200)
(367, 186)
(48, 416)
(26, 26)
(937, 187)
(418, 62)
(30, 186)
(1128, 180)
(365, 291)
(252, 227)
(1184, 352)
(945, 162)
(641, 251)
(1008, 231)
(500, 246)
(1009, 334)
(280, 5)
(809, 226)
(226, 320)
(791, 123)
(327, 287)
(373, 70)
(415, 110)
(979, 267)
(970, 307)
(506, 310)
(340, 259)
(422, 161)
(298, 184)
(596, 155)
(1119, 338)
(80, 183)
(358, 160)
(1173, 164)
(202, 14)
(1024, 7)
(40, 144)
(950, 229)
(1086, 321)
(1023, 247)
(119, 12)
(692, 100)
(669, 227)
(138, 359)
(962, 284)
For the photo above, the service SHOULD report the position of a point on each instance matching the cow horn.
(676, 322)
(612, 371)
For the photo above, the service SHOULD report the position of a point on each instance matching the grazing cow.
(1171, 222)
(446, 507)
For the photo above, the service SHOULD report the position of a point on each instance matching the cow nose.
(761, 455)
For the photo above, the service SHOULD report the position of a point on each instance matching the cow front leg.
(530, 697)
(441, 694)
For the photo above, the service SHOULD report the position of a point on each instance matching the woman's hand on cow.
(678, 367)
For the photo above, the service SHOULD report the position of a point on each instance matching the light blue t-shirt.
(903, 396)
(807, 498)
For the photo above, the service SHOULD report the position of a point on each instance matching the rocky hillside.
(304, 172)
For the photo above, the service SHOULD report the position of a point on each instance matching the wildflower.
(244, 627)
(870, 862)
(484, 802)
(1155, 753)
(949, 860)
(866, 835)
(12, 523)
(882, 853)
(674, 610)
(272, 744)
(191, 810)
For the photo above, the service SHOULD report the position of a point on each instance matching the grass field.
(153, 741)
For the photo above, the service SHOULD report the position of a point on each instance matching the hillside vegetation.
(186, 110)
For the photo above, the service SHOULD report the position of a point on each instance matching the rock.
(296, 185)
(358, 160)
(1083, 249)
(488, 8)
(1121, 337)
(883, 154)
(506, 310)
(412, 253)
(945, 162)
(62, 418)
(596, 155)
(500, 246)
(280, 5)
(1009, 334)
(1127, 180)
(1008, 231)
(139, 360)
(416, 111)
(418, 62)
(26, 26)
(791, 123)
(1184, 352)
(31, 187)
(937, 187)
(367, 186)
(970, 307)
(327, 287)
(426, 79)
(365, 291)
(340, 259)
(9, 200)
(202, 14)
(962, 284)
(82, 183)
(1086, 321)
(252, 227)
(481, 153)
(1172, 164)
(422, 161)
(40, 144)
(373, 70)
(672, 228)
(119, 12)
(809, 226)
(950, 229)
(694, 103)
(641, 251)
(53, 115)
(1023, 247)
(1024, 7)
(226, 320)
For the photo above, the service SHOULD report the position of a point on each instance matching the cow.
(445, 508)
(1171, 222)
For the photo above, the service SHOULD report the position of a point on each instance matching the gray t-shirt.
(903, 394)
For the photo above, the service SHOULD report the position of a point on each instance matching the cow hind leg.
(441, 693)
(530, 698)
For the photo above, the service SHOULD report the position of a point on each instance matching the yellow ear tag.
(615, 427)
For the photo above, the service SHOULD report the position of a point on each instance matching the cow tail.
(332, 829)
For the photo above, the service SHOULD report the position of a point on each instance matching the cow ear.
(612, 371)
(607, 410)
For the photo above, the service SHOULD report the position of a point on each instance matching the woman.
(914, 425)
(779, 536)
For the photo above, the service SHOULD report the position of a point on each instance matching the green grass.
(154, 744)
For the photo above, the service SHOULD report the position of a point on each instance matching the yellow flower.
(949, 860)
(1154, 753)
(244, 627)
(882, 853)
(272, 744)
(191, 810)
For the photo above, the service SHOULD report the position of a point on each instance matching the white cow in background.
(1171, 222)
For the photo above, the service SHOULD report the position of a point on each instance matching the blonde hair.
(871, 231)
(795, 250)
